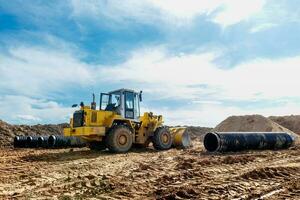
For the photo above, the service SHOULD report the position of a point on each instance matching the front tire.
(119, 139)
(162, 139)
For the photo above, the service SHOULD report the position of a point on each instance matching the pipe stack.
(20, 141)
(53, 141)
(58, 141)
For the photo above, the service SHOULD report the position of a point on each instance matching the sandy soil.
(148, 174)
(291, 122)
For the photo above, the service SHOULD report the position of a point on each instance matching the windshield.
(115, 99)
(110, 101)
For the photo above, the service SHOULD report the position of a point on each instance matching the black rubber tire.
(97, 146)
(158, 141)
(114, 142)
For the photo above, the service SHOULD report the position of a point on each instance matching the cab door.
(104, 101)
(129, 105)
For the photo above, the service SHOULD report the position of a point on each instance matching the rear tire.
(119, 139)
(162, 139)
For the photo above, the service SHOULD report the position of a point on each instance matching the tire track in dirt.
(148, 174)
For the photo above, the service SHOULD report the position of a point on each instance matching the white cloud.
(38, 71)
(236, 10)
(173, 76)
(32, 74)
(203, 86)
(223, 12)
(21, 109)
(262, 27)
(210, 115)
(28, 118)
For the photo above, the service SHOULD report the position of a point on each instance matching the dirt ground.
(149, 174)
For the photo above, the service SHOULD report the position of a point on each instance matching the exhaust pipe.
(239, 141)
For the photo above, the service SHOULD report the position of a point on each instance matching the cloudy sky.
(196, 61)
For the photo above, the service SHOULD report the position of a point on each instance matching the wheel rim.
(165, 138)
(122, 140)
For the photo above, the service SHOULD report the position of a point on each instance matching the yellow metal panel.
(85, 131)
(67, 131)
(149, 123)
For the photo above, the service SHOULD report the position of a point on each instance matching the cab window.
(129, 105)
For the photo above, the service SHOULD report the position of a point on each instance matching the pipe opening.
(29, 141)
(16, 139)
(17, 142)
(51, 141)
(211, 142)
(41, 141)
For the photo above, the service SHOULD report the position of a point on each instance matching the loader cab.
(124, 102)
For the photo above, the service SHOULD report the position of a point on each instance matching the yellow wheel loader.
(117, 124)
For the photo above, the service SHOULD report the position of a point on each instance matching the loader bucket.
(181, 138)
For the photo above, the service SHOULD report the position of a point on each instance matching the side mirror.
(74, 105)
(140, 96)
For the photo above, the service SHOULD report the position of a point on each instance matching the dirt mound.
(255, 123)
(197, 131)
(8, 131)
(291, 122)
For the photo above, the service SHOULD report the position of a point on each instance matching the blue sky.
(196, 61)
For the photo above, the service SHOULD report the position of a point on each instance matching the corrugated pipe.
(43, 141)
(20, 141)
(32, 141)
(58, 141)
(238, 141)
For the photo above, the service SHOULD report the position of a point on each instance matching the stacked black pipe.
(58, 141)
(53, 141)
(238, 141)
(31, 141)
(20, 141)
(43, 141)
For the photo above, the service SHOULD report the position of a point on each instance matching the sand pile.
(197, 131)
(8, 131)
(255, 123)
(291, 122)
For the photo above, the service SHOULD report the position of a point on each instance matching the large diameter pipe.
(238, 141)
